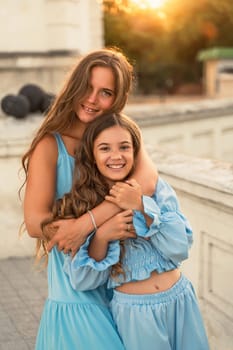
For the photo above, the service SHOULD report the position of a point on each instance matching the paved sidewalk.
(23, 290)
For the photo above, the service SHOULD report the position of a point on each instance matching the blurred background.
(172, 43)
(165, 37)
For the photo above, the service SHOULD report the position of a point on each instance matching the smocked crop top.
(169, 238)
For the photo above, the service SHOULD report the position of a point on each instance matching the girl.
(153, 305)
(100, 82)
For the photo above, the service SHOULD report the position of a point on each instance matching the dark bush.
(34, 94)
(16, 106)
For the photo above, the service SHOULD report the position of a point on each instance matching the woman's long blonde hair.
(89, 185)
(61, 113)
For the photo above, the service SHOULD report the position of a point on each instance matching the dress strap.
(60, 144)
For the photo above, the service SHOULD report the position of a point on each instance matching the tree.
(164, 43)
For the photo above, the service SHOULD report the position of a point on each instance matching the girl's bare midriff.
(156, 283)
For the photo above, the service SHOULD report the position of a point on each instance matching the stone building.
(41, 38)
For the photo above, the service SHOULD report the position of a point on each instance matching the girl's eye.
(125, 147)
(104, 149)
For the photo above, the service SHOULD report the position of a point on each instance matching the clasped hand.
(70, 234)
(126, 195)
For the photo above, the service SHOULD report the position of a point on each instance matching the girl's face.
(114, 154)
(100, 96)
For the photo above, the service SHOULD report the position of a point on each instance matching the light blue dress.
(169, 320)
(73, 320)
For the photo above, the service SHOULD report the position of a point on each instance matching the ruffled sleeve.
(170, 232)
(85, 273)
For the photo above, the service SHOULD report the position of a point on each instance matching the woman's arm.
(145, 169)
(39, 198)
(40, 194)
(72, 233)
(40, 185)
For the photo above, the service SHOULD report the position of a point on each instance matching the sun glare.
(154, 4)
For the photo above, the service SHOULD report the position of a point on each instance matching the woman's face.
(114, 154)
(100, 96)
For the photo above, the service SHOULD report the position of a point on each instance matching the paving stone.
(23, 290)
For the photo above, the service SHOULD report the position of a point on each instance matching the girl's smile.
(114, 153)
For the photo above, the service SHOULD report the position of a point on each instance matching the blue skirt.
(77, 326)
(169, 320)
(73, 320)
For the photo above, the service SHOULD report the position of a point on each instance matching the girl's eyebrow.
(108, 143)
(103, 143)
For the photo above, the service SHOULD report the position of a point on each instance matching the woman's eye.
(106, 93)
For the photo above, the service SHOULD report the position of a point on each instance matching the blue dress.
(73, 320)
(169, 320)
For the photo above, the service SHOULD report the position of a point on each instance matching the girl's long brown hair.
(89, 186)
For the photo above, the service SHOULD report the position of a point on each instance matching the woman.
(99, 83)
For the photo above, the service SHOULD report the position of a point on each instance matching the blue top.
(169, 238)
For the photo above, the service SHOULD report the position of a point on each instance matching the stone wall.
(205, 191)
(202, 128)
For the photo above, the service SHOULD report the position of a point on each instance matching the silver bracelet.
(92, 219)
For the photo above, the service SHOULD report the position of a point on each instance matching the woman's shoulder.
(48, 140)
(46, 148)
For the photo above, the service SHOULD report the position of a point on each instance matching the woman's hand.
(72, 233)
(69, 234)
(48, 231)
(127, 195)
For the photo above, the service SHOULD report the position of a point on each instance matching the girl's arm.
(114, 229)
(92, 264)
(160, 220)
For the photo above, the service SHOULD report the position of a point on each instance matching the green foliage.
(164, 43)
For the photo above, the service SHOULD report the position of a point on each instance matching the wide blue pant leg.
(169, 320)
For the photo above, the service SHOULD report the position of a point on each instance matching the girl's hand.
(69, 235)
(127, 195)
(118, 227)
